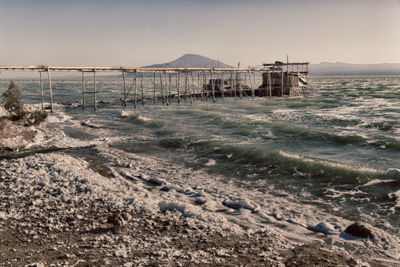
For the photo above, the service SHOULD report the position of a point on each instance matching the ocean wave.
(285, 164)
(315, 134)
(137, 117)
(130, 114)
(384, 142)
(385, 125)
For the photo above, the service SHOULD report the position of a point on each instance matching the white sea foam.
(210, 162)
(377, 181)
(329, 163)
(134, 115)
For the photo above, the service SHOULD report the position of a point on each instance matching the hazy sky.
(137, 33)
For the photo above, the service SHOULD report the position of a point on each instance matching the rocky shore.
(50, 215)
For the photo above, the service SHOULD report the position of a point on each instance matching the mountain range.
(347, 69)
(191, 61)
(320, 69)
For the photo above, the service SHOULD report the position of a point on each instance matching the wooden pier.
(279, 79)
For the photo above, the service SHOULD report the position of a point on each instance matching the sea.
(337, 150)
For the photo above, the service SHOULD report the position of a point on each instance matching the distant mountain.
(347, 69)
(191, 61)
(186, 61)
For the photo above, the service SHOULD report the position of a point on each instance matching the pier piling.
(94, 90)
(141, 88)
(41, 89)
(177, 88)
(135, 91)
(83, 90)
(124, 82)
(50, 89)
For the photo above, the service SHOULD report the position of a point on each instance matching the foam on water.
(134, 115)
(367, 170)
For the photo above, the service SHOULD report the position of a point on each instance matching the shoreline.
(70, 224)
(99, 205)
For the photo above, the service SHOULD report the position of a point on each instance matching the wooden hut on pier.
(285, 79)
(278, 79)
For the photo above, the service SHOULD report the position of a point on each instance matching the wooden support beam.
(240, 85)
(207, 92)
(125, 96)
(269, 83)
(41, 88)
(282, 81)
(50, 90)
(162, 89)
(94, 90)
(233, 85)
(177, 87)
(287, 75)
(203, 85)
(186, 86)
(191, 87)
(141, 88)
(154, 88)
(83, 90)
(198, 85)
(213, 86)
(245, 82)
(251, 84)
(135, 92)
(222, 88)
(167, 85)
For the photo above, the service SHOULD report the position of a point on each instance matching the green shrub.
(11, 100)
(37, 117)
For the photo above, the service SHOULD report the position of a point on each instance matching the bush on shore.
(37, 117)
(11, 101)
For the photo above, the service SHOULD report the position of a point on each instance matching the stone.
(156, 181)
(359, 230)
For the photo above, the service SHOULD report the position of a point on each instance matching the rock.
(165, 188)
(38, 264)
(156, 182)
(200, 201)
(359, 230)
(237, 205)
(322, 227)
